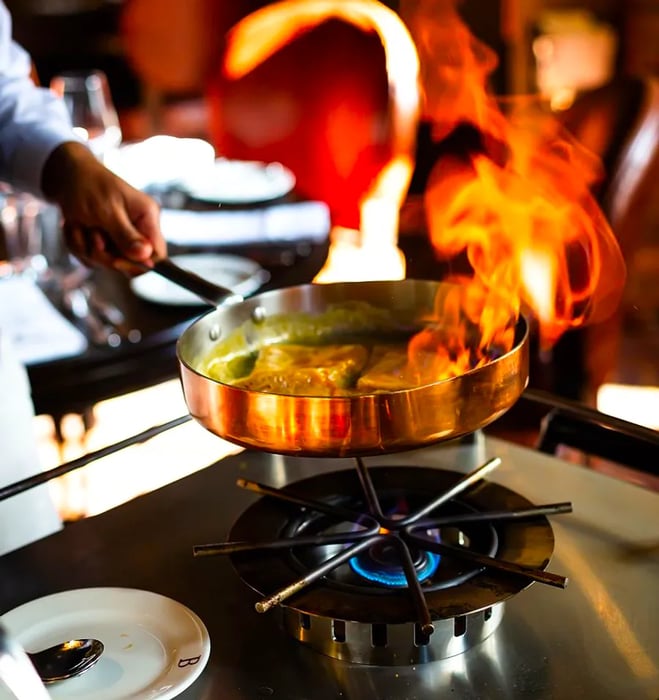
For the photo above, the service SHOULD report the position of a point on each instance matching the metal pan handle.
(213, 294)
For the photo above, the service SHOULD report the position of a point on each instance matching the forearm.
(63, 167)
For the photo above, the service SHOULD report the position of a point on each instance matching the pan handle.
(211, 293)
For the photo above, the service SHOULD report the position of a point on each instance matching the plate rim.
(73, 596)
(180, 143)
(289, 176)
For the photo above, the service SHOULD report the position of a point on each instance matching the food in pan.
(306, 370)
(347, 350)
(326, 370)
(387, 369)
(251, 346)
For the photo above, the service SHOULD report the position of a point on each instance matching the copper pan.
(345, 425)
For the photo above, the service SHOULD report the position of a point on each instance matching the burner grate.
(321, 532)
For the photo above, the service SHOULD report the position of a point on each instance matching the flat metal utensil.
(67, 659)
(211, 293)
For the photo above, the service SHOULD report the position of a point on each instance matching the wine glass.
(26, 223)
(87, 97)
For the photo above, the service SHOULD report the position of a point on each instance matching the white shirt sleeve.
(33, 121)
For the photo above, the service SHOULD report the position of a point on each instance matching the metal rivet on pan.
(258, 315)
(215, 333)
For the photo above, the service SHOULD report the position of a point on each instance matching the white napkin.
(37, 331)
(279, 223)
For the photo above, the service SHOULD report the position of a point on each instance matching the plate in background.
(239, 182)
(160, 161)
(241, 275)
(155, 647)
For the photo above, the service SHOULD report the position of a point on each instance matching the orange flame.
(455, 66)
(520, 207)
(372, 252)
(517, 206)
(470, 330)
(265, 31)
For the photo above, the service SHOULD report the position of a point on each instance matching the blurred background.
(596, 63)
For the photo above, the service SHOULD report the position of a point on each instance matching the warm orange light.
(517, 205)
(473, 326)
(530, 228)
(372, 252)
(538, 272)
(262, 33)
(455, 66)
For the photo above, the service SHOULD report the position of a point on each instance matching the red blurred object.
(173, 45)
(319, 105)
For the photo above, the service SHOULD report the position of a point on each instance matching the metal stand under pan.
(384, 644)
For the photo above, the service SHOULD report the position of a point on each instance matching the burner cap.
(381, 564)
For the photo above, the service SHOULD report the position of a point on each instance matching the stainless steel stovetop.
(598, 638)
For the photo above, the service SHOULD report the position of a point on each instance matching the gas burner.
(379, 567)
(369, 567)
(380, 563)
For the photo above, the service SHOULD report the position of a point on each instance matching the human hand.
(107, 222)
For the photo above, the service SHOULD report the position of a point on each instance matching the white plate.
(160, 160)
(239, 182)
(240, 275)
(155, 647)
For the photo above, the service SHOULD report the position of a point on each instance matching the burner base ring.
(392, 644)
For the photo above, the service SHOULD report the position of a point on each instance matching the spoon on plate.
(25, 675)
(65, 660)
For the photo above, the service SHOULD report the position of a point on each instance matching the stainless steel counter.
(599, 638)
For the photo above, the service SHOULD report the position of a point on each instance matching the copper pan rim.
(344, 426)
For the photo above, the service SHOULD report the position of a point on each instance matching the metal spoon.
(67, 659)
